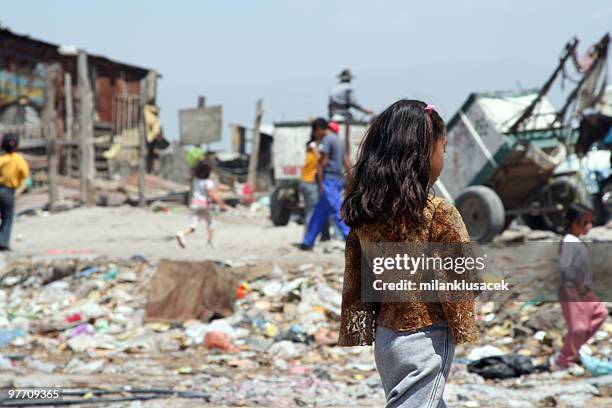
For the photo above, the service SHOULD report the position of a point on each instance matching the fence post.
(87, 167)
(49, 116)
(69, 120)
(142, 144)
(52, 167)
(254, 158)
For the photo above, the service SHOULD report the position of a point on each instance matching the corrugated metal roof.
(56, 49)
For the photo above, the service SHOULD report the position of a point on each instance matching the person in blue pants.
(331, 181)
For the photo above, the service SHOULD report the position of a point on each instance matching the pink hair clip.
(430, 108)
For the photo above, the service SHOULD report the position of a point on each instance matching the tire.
(280, 211)
(535, 220)
(604, 202)
(482, 211)
(562, 191)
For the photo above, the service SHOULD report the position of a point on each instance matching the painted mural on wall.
(26, 82)
(22, 92)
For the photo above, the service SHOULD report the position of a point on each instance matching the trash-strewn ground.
(74, 289)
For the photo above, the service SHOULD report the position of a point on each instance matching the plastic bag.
(596, 367)
(506, 366)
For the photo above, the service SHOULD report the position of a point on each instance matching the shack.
(39, 95)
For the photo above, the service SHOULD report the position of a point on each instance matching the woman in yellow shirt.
(309, 188)
(308, 181)
(14, 171)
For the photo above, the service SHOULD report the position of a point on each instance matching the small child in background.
(204, 193)
(582, 310)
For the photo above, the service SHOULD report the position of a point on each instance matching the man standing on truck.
(331, 181)
(342, 98)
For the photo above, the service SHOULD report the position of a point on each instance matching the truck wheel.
(280, 211)
(534, 219)
(482, 211)
(562, 191)
(605, 201)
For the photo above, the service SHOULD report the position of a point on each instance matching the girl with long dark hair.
(389, 199)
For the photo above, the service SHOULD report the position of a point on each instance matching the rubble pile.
(530, 331)
(87, 318)
(85, 322)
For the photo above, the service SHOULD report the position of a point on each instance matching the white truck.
(288, 155)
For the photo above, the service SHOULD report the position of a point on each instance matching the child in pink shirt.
(582, 310)
(204, 193)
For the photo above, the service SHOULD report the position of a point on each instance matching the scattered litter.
(504, 366)
(87, 272)
(7, 336)
(249, 321)
(76, 366)
(219, 340)
(596, 367)
(481, 352)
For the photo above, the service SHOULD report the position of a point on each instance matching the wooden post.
(202, 105)
(53, 163)
(49, 116)
(238, 139)
(254, 159)
(87, 167)
(151, 87)
(142, 144)
(69, 120)
(347, 138)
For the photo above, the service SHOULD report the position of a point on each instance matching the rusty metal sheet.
(26, 82)
(182, 290)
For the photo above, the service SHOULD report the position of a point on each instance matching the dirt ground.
(240, 234)
(126, 231)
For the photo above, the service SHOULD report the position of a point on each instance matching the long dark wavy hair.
(391, 175)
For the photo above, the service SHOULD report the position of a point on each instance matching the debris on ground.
(182, 290)
(259, 332)
(116, 318)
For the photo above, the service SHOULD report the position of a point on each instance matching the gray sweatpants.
(414, 365)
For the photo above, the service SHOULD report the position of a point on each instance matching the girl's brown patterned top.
(359, 319)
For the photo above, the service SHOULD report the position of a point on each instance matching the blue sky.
(288, 52)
